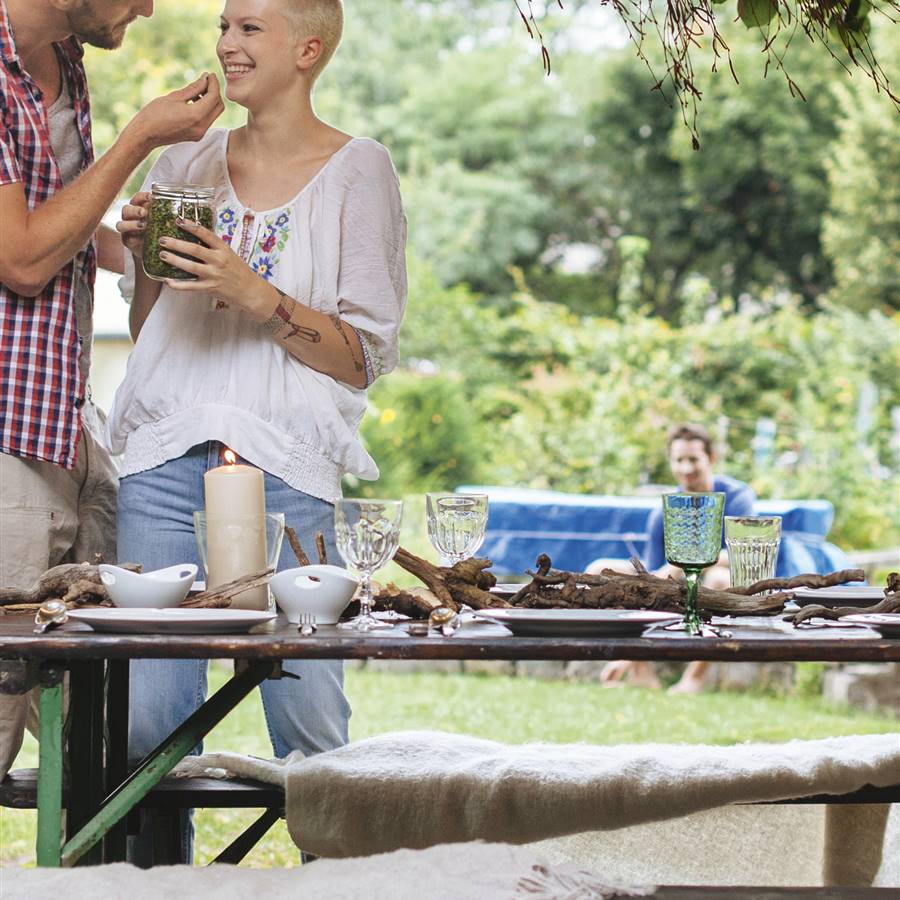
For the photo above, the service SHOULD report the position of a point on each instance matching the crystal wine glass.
(368, 535)
(456, 523)
(693, 539)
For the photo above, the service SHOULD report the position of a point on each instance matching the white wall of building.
(112, 343)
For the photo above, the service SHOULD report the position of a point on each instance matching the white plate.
(171, 621)
(506, 589)
(576, 622)
(840, 595)
(887, 623)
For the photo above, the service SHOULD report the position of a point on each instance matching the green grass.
(505, 709)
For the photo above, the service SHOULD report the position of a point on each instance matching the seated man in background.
(691, 458)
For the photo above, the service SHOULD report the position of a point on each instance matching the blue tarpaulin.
(575, 529)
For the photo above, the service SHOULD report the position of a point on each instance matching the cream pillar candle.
(236, 528)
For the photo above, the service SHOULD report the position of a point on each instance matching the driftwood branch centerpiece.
(468, 583)
(613, 590)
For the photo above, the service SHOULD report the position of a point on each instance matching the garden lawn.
(506, 709)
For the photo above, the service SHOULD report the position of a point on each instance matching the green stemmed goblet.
(693, 538)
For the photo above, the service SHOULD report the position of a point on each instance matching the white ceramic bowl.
(323, 591)
(148, 590)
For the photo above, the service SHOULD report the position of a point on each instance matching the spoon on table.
(51, 612)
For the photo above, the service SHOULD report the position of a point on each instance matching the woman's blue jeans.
(156, 529)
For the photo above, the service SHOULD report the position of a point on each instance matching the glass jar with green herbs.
(168, 203)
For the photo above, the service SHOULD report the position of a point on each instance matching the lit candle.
(236, 528)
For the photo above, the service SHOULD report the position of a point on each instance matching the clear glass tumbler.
(233, 546)
(456, 523)
(752, 543)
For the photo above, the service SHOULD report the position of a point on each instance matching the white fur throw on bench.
(480, 871)
(417, 789)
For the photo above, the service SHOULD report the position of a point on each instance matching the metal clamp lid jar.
(169, 202)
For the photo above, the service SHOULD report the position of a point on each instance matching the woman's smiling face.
(256, 51)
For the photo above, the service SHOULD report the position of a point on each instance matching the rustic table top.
(280, 640)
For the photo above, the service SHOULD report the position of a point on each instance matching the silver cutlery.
(307, 624)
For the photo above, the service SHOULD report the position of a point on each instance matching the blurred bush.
(423, 435)
(534, 395)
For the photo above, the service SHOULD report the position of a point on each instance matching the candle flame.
(230, 458)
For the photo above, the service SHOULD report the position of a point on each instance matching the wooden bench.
(173, 794)
(19, 791)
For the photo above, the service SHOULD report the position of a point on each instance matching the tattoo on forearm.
(336, 321)
(280, 324)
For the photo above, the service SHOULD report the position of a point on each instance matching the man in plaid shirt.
(57, 482)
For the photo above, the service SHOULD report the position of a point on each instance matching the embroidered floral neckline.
(223, 150)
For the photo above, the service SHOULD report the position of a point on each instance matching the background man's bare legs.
(639, 673)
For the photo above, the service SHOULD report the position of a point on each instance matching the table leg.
(164, 758)
(84, 749)
(50, 773)
(114, 843)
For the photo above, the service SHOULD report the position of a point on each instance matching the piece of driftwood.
(300, 553)
(220, 597)
(14, 609)
(464, 583)
(417, 603)
(296, 546)
(890, 603)
(73, 583)
(797, 581)
(551, 588)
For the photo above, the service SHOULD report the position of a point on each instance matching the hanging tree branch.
(686, 24)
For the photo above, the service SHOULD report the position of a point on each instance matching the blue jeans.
(156, 529)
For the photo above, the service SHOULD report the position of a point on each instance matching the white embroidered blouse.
(203, 371)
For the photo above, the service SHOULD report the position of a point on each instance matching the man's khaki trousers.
(50, 515)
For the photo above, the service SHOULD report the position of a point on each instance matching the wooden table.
(95, 660)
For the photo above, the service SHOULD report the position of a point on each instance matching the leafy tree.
(862, 228)
(758, 191)
(492, 156)
(637, 186)
(472, 225)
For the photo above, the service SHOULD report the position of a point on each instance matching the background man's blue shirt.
(739, 501)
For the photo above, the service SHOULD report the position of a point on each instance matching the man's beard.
(88, 26)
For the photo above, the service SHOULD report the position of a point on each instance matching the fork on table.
(307, 623)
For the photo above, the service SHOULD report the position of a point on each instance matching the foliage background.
(581, 278)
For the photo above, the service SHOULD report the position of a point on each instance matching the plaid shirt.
(41, 393)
